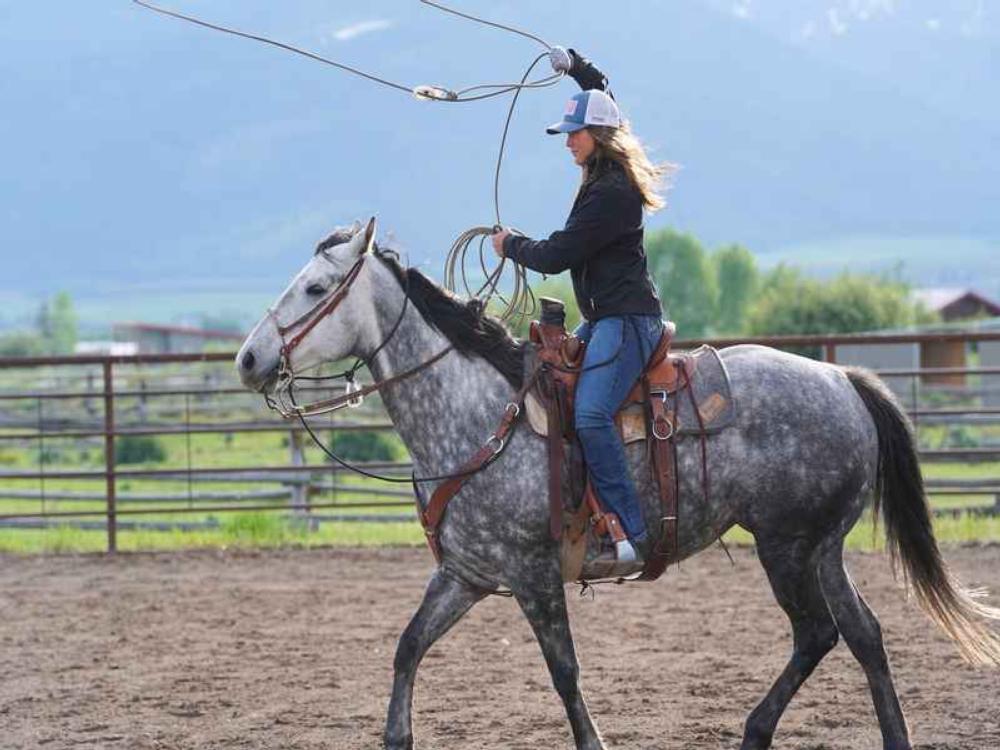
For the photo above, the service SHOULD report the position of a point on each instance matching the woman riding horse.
(601, 245)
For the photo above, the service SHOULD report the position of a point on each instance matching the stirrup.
(619, 560)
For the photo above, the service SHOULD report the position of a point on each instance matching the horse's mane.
(462, 322)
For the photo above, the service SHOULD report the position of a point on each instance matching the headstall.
(283, 399)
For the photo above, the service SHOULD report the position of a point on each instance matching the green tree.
(56, 324)
(738, 279)
(43, 321)
(790, 304)
(63, 330)
(686, 281)
(21, 344)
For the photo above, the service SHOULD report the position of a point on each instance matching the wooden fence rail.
(167, 395)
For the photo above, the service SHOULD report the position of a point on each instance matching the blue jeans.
(618, 347)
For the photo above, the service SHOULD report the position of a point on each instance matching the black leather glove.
(585, 73)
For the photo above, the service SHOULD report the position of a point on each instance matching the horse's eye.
(315, 290)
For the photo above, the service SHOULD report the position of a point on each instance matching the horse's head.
(319, 317)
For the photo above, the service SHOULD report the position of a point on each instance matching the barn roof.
(179, 331)
(938, 298)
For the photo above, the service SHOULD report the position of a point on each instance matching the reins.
(354, 396)
(511, 413)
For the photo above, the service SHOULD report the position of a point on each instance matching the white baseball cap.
(592, 107)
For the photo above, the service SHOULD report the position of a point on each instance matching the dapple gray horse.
(812, 443)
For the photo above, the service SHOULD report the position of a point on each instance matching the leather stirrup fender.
(663, 447)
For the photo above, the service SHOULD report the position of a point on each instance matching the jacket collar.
(598, 168)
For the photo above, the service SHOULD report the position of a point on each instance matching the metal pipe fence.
(86, 401)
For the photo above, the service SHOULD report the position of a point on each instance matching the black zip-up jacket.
(601, 244)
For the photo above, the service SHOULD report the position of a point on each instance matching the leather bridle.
(312, 317)
(283, 398)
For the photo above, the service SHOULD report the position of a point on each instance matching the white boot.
(625, 552)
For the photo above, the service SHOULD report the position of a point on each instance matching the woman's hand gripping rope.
(497, 238)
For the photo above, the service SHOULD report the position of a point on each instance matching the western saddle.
(547, 398)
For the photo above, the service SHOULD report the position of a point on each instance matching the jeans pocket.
(651, 328)
(655, 328)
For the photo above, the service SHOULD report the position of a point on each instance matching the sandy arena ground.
(294, 649)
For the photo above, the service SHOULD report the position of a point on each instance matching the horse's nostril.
(248, 361)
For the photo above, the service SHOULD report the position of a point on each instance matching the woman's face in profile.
(581, 144)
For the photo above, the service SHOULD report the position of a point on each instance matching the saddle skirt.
(711, 390)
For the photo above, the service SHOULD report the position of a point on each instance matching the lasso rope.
(520, 302)
(422, 91)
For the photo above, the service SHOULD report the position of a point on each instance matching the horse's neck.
(446, 411)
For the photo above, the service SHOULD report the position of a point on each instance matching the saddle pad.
(712, 393)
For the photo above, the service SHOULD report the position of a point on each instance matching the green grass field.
(269, 530)
(236, 530)
(275, 528)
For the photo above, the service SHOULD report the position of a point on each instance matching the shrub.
(363, 445)
(50, 455)
(962, 437)
(138, 449)
(21, 344)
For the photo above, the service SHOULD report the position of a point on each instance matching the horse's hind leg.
(447, 598)
(792, 570)
(542, 598)
(861, 631)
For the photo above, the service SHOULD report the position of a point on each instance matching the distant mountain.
(150, 164)
(941, 53)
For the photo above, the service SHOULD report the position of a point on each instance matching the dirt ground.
(294, 649)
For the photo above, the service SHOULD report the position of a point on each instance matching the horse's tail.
(899, 492)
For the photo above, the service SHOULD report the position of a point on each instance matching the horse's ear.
(369, 242)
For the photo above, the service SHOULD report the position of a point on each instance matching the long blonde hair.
(622, 146)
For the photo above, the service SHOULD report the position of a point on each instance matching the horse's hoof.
(755, 742)
(405, 743)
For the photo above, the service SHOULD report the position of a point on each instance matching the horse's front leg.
(540, 592)
(447, 598)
